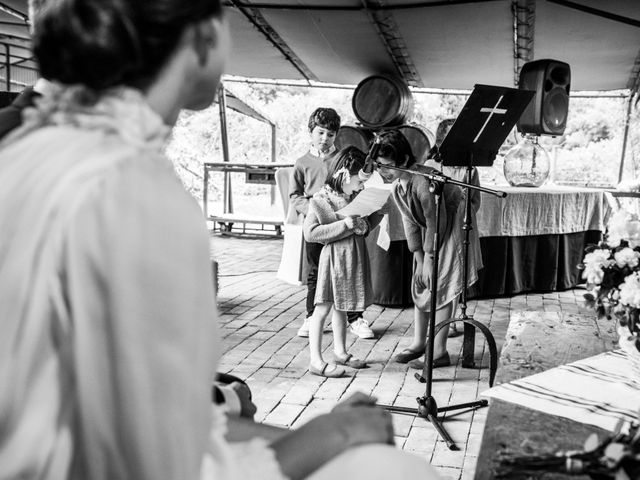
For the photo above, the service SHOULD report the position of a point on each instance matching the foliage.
(587, 154)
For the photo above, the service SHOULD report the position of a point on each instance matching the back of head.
(395, 146)
(348, 160)
(443, 128)
(326, 118)
(104, 43)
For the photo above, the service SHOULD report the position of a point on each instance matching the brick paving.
(260, 316)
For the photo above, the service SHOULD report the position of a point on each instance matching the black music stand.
(474, 140)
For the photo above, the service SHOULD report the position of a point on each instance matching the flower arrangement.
(612, 272)
(616, 457)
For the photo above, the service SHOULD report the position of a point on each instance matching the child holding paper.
(344, 280)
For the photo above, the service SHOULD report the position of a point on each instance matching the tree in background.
(588, 152)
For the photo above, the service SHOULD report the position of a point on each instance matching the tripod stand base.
(470, 324)
(428, 409)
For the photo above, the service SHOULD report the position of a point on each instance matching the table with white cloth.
(534, 238)
(531, 240)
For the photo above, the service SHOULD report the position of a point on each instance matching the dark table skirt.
(538, 263)
(390, 273)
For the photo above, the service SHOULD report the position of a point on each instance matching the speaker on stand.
(548, 111)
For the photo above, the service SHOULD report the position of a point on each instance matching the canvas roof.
(433, 44)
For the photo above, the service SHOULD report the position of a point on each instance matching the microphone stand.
(427, 406)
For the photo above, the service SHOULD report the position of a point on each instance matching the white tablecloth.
(542, 211)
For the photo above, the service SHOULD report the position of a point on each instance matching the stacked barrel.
(383, 102)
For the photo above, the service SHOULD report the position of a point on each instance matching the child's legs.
(440, 342)
(315, 333)
(421, 325)
(339, 327)
(313, 251)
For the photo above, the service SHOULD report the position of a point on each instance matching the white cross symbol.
(491, 111)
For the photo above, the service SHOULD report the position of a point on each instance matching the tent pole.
(625, 138)
(273, 160)
(226, 195)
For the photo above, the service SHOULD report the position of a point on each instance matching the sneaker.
(361, 328)
(303, 331)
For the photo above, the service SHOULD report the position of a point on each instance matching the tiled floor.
(261, 314)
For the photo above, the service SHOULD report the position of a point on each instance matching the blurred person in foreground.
(110, 336)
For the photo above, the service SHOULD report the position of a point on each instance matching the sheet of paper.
(384, 240)
(368, 201)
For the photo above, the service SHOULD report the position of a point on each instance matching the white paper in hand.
(384, 240)
(368, 201)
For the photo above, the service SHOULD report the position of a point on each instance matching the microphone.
(369, 162)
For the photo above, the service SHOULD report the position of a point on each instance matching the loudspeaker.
(547, 113)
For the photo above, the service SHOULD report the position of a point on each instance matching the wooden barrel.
(420, 138)
(354, 135)
(382, 101)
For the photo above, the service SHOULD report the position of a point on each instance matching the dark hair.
(443, 128)
(326, 118)
(395, 146)
(106, 43)
(351, 158)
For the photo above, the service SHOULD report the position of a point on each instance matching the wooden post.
(625, 138)
(7, 66)
(273, 159)
(227, 201)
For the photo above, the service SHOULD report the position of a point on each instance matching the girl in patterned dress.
(344, 280)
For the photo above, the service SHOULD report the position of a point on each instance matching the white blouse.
(109, 333)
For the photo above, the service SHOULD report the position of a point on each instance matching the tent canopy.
(434, 44)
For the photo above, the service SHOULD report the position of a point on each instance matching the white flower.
(630, 291)
(623, 226)
(594, 263)
(626, 256)
(593, 275)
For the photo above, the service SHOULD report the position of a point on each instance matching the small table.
(532, 347)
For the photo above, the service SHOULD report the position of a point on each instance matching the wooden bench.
(538, 341)
(247, 224)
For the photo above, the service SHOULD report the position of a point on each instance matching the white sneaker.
(361, 328)
(303, 331)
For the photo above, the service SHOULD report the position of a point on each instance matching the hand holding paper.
(368, 201)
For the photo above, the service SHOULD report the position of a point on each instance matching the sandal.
(323, 372)
(453, 330)
(406, 355)
(442, 361)
(349, 361)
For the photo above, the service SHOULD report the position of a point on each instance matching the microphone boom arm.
(436, 176)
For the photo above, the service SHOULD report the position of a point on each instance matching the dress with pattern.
(344, 276)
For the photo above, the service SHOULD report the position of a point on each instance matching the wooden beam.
(352, 8)
(597, 12)
(13, 12)
(633, 83)
(394, 43)
(258, 21)
(524, 17)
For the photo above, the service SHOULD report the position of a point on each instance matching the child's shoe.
(303, 331)
(361, 328)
